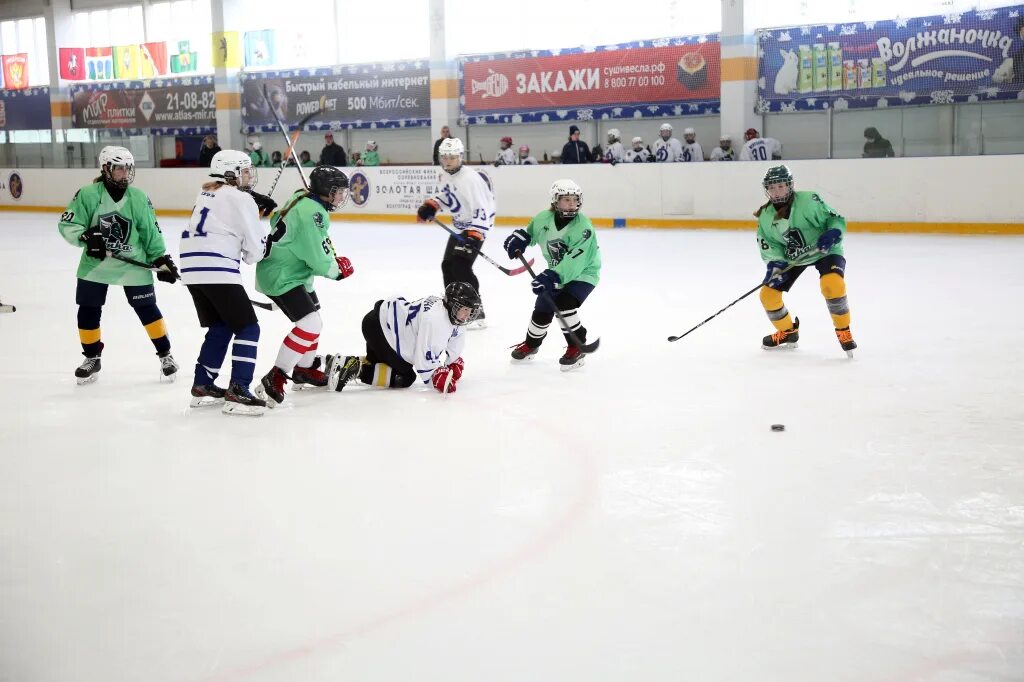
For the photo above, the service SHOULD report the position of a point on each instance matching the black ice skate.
(271, 388)
(523, 352)
(845, 337)
(168, 367)
(786, 338)
(341, 369)
(309, 376)
(238, 400)
(573, 358)
(206, 395)
(87, 371)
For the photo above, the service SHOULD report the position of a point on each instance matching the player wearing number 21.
(223, 231)
(105, 217)
(299, 249)
(795, 230)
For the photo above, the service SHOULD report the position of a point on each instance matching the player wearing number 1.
(795, 230)
(299, 249)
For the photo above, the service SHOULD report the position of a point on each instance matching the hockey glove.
(773, 278)
(546, 282)
(167, 271)
(457, 367)
(440, 377)
(95, 247)
(426, 212)
(474, 234)
(345, 268)
(265, 204)
(829, 239)
(516, 243)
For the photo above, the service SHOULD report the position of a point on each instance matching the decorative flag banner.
(185, 60)
(182, 106)
(662, 77)
(126, 61)
(388, 95)
(15, 71)
(25, 109)
(959, 57)
(259, 49)
(72, 63)
(99, 62)
(153, 58)
(227, 51)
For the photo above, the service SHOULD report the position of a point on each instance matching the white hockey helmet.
(638, 143)
(665, 131)
(117, 157)
(566, 188)
(614, 135)
(371, 146)
(690, 134)
(229, 165)
(451, 148)
(725, 141)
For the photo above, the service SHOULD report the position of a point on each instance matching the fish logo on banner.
(495, 85)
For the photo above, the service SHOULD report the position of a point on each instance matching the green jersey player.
(298, 250)
(795, 230)
(108, 216)
(569, 244)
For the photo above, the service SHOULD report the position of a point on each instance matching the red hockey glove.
(441, 376)
(345, 268)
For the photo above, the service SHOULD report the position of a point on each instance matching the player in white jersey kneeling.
(463, 192)
(420, 340)
(224, 230)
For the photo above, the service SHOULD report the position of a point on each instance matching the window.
(181, 20)
(28, 36)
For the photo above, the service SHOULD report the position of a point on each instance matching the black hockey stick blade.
(511, 272)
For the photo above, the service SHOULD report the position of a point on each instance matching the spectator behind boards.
(575, 150)
(333, 154)
(876, 146)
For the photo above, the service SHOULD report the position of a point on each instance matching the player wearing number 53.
(110, 217)
(795, 230)
(223, 231)
(299, 249)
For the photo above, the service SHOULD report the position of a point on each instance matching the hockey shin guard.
(771, 299)
(302, 339)
(833, 288)
(153, 321)
(89, 330)
(243, 355)
(211, 354)
(538, 329)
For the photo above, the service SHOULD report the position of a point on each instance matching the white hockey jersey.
(468, 197)
(421, 333)
(718, 154)
(692, 151)
(615, 153)
(668, 152)
(761, 149)
(224, 230)
(642, 156)
(528, 161)
(506, 157)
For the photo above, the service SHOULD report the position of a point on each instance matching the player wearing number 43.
(299, 249)
(109, 216)
(794, 230)
(224, 230)
(468, 197)
(569, 244)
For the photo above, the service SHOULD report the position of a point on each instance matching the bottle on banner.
(806, 70)
(820, 67)
(878, 73)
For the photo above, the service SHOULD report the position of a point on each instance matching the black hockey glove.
(265, 204)
(95, 247)
(167, 271)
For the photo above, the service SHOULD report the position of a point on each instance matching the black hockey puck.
(778, 427)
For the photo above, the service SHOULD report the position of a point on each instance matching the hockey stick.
(284, 131)
(585, 347)
(673, 339)
(292, 141)
(511, 272)
(7, 308)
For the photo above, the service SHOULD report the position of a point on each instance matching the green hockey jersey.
(791, 239)
(129, 229)
(572, 251)
(300, 248)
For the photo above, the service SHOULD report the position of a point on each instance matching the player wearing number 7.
(299, 249)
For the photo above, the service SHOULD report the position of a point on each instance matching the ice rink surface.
(634, 520)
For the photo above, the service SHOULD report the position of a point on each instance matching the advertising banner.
(25, 109)
(185, 106)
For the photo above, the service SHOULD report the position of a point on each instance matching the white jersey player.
(614, 153)
(724, 151)
(639, 153)
(421, 340)
(506, 156)
(467, 195)
(667, 148)
(692, 150)
(525, 159)
(757, 148)
(224, 231)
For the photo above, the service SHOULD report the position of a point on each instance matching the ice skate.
(341, 369)
(845, 337)
(573, 358)
(238, 400)
(168, 367)
(786, 338)
(311, 377)
(206, 395)
(523, 352)
(87, 372)
(271, 388)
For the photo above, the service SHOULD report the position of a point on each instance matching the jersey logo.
(795, 244)
(586, 235)
(557, 249)
(117, 230)
(449, 199)
(662, 153)
(318, 219)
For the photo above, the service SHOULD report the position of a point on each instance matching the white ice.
(634, 520)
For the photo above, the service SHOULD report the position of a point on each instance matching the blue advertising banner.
(27, 109)
(962, 57)
(640, 79)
